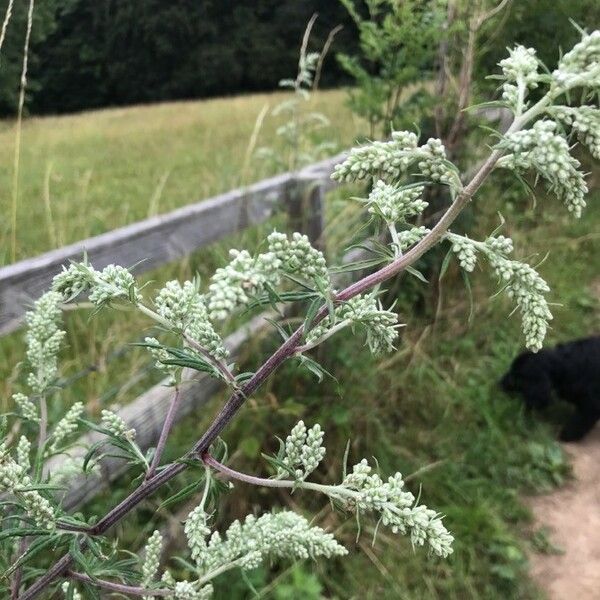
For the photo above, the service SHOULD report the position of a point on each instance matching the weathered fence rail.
(159, 240)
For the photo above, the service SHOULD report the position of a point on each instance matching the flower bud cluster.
(307, 66)
(580, 67)
(26, 407)
(43, 339)
(186, 590)
(585, 121)
(366, 311)
(152, 558)
(197, 531)
(547, 152)
(23, 451)
(500, 244)
(412, 236)
(363, 490)
(434, 165)
(116, 425)
(465, 251)
(73, 281)
(385, 160)
(67, 425)
(185, 309)
(111, 283)
(394, 203)
(527, 289)
(522, 283)
(245, 276)
(520, 72)
(14, 476)
(298, 257)
(304, 451)
(272, 535)
(160, 355)
(391, 160)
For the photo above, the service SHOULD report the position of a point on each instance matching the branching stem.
(164, 434)
(287, 350)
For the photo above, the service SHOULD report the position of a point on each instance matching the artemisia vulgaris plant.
(552, 111)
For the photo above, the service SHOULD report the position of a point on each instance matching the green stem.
(222, 569)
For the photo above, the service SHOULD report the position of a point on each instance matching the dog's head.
(528, 377)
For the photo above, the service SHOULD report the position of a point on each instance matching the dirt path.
(573, 516)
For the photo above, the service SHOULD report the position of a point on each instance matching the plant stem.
(16, 581)
(119, 587)
(222, 569)
(43, 428)
(337, 491)
(251, 479)
(164, 434)
(217, 364)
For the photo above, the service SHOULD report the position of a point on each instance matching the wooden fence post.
(306, 209)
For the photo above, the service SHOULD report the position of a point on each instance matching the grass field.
(433, 409)
(84, 174)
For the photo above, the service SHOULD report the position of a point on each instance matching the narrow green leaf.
(182, 494)
(445, 264)
(416, 274)
(470, 292)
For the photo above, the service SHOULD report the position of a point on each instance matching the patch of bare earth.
(572, 515)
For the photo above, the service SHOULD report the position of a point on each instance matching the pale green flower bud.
(152, 558)
(26, 407)
(116, 425)
(23, 451)
(67, 425)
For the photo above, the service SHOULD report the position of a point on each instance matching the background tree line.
(96, 53)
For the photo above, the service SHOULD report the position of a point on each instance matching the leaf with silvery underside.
(79, 557)
(243, 377)
(120, 443)
(300, 282)
(182, 357)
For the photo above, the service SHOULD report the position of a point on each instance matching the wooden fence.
(164, 238)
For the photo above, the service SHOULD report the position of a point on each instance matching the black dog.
(572, 371)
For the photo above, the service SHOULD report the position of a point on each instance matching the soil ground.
(572, 516)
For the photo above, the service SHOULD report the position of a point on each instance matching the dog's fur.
(572, 371)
